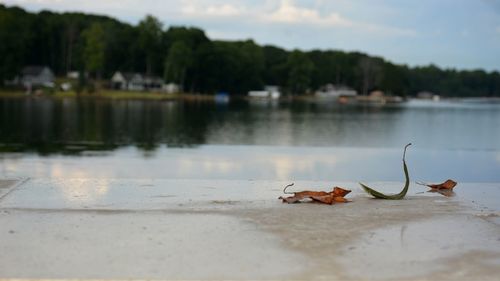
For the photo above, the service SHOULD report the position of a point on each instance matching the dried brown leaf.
(445, 192)
(334, 196)
(445, 188)
(448, 184)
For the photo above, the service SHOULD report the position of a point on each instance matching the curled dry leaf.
(445, 188)
(334, 196)
(449, 184)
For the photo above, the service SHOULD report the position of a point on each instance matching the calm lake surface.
(94, 138)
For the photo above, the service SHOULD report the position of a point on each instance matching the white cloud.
(288, 12)
(283, 12)
(235, 12)
(195, 8)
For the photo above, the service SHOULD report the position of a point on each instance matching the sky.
(461, 34)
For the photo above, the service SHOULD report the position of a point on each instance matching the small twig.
(284, 190)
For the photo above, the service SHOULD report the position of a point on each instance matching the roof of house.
(33, 70)
(129, 75)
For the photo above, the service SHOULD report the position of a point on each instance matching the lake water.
(98, 138)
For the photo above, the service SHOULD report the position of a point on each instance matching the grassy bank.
(107, 94)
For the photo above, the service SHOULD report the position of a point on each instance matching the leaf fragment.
(399, 196)
(334, 196)
(445, 188)
(448, 184)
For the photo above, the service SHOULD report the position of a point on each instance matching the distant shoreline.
(137, 95)
(109, 94)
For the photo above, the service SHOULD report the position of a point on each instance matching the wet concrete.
(8, 185)
(197, 229)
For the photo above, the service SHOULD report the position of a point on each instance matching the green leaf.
(398, 196)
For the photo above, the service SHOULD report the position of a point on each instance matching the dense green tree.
(149, 40)
(94, 49)
(224, 67)
(102, 45)
(15, 38)
(192, 37)
(233, 67)
(371, 74)
(203, 78)
(251, 67)
(394, 80)
(275, 61)
(178, 61)
(326, 69)
(119, 52)
(196, 40)
(494, 84)
(300, 69)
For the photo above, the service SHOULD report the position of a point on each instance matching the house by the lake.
(127, 81)
(153, 83)
(269, 92)
(171, 88)
(34, 76)
(136, 82)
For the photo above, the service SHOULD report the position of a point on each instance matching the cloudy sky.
(462, 34)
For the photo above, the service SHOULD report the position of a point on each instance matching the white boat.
(330, 91)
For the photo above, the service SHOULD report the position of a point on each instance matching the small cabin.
(135, 82)
(171, 88)
(127, 81)
(269, 92)
(35, 76)
(153, 83)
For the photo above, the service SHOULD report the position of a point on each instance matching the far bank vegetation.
(97, 47)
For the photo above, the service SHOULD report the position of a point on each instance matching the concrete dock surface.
(229, 229)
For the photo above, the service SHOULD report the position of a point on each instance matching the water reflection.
(72, 126)
(80, 190)
(261, 163)
(242, 140)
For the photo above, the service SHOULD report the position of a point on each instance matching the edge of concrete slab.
(8, 185)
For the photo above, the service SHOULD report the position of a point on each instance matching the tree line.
(101, 45)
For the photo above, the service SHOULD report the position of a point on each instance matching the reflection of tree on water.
(71, 126)
(301, 123)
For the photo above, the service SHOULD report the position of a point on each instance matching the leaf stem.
(284, 190)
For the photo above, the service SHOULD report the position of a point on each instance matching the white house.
(171, 88)
(73, 74)
(135, 81)
(32, 76)
(269, 92)
(127, 81)
(153, 83)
